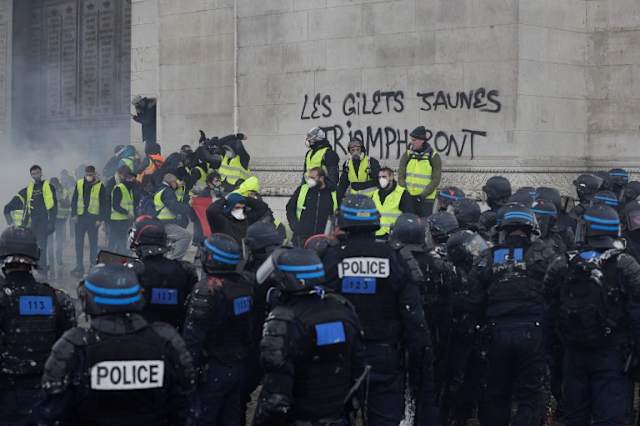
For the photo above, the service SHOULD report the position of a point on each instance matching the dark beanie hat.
(233, 199)
(419, 133)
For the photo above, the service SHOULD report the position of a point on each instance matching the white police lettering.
(127, 375)
(366, 267)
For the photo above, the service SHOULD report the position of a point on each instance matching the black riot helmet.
(410, 229)
(618, 178)
(358, 213)
(631, 216)
(551, 195)
(515, 215)
(295, 270)
(587, 186)
(467, 212)
(220, 253)
(546, 215)
(606, 197)
(464, 246)
(498, 190)
(261, 236)
(442, 225)
(605, 184)
(109, 289)
(447, 196)
(598, 227)
(631, 191)
(147, 237)
(19, 245)
(524, 196)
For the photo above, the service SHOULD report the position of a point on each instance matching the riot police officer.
(546, 216)
(586, 187)
(261, 240)
(34, 316)
(462, 377)
(218, 331)
(497, 190)
(369, 275)
(618, 179)
(595, 306)
(311, 349)
(166, 282)
(511, 274)
(441, 226)
(467, 213)
(121, 369)
(433, 275)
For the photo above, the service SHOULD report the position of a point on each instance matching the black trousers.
(423, 207)
(86, 225)
(40, 228)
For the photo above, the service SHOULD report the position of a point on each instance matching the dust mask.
(384, 182)
(311, 182)
(238, 214)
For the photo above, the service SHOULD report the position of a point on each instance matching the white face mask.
(229, 153)
(384, 182)
(311, 182)
(307, 143)
(238, 214)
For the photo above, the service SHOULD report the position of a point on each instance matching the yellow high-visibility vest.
(419, 176)
(18, 215)
(162, 213)
(231, 170)
(47, 194)
(94, 198)
(302, 197)
(389, 210)
(361, 176)
(126, 202)
(312, 160)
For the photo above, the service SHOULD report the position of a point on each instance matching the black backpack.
(591, 299)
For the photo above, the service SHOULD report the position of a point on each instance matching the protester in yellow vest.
(320, 154)
(124, 198)
(391, 200)
(310, 207)
(420, 172)
(359, 172)
(234, 168)
(36, 207)
(89, 210)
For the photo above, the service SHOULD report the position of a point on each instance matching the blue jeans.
(595, 390)
(222, 396)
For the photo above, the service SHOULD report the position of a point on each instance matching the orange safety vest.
(156, 162)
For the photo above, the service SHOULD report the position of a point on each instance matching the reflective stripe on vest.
(232, 170)
(126, 202)
(389, 210)
(94, 198)
(47, 195)
(419, 176)
(360, 177)
(18, 215)
(162, 213)
(312, 160)
(302, 198)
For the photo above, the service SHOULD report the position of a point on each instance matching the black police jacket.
(219, 319)
(167, 284)
(311, 353)
(122, 370)
(33, 316)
